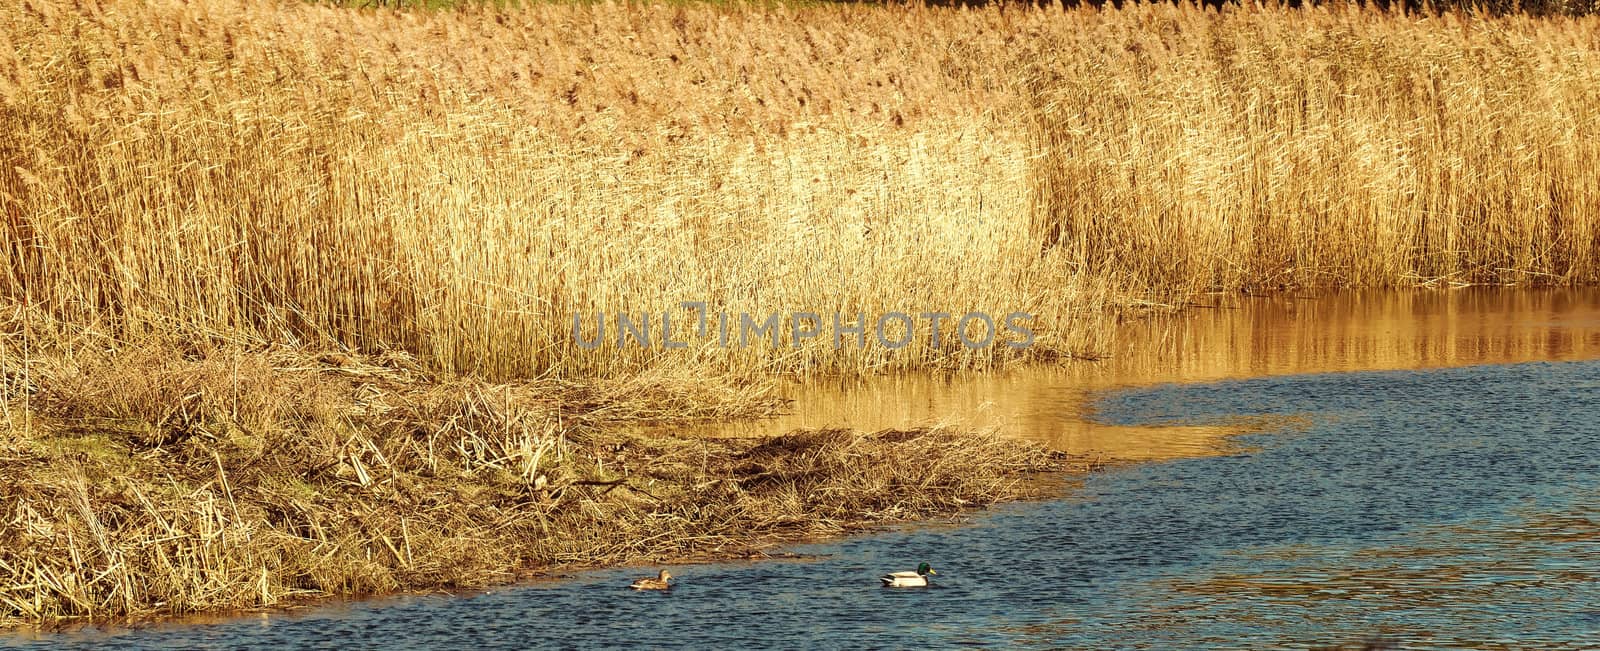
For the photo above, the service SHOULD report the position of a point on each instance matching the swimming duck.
(915, 579)
(658, 583)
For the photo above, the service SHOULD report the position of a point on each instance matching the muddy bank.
(158, 483)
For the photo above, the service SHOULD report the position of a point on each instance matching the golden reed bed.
(199, 197)
(459, 184)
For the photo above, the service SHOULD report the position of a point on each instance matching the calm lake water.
(1447, 507)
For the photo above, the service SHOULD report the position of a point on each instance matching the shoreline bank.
(261, 481)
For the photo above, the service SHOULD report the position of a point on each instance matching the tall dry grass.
(459, 184)
(1183, 151)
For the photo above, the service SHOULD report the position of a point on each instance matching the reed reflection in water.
(1237, 337)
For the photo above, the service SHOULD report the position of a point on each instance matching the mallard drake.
(915, 579)
(658, 583)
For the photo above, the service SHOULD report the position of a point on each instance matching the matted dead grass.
(155, 483)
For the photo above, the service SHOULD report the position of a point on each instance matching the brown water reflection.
(1235, 337)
